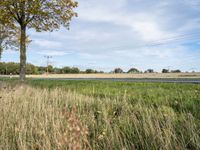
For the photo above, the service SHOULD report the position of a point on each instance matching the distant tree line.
(135, 70)
(13, 68)
(171, 71)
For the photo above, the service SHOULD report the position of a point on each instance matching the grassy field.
(44, 114)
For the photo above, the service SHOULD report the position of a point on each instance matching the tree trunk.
(1, 48)
(1, 51)
(23, 54)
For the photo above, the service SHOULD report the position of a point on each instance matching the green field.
(50, 114)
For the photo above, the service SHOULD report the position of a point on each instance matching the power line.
(164, 41)
(177, 38)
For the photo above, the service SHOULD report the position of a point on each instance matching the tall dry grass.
(41, 119)
(38, 119)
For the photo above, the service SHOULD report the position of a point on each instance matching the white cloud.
(145, 25)
(43, 43)
(53, 53)
(87, 35)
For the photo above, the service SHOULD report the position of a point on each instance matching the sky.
(107, 34)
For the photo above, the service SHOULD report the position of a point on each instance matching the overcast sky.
(123, 33)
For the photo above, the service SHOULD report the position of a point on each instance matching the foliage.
(66, 70)
(8, 38)
(41, 15)
(50, 69)
(90, 71)
(75, 70)
(118, 70)
(133, 70)
(42, 69)
(32, 69)
(13, 68)
(149, 71)
(176, 71)
(58, 70)
(165, 71)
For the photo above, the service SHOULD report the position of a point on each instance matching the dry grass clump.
(41, 119)
(37, 119)
(75, 134)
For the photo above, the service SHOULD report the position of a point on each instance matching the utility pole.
(48, 62)
(169, 68)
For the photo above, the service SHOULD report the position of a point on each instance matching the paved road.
(166, 80)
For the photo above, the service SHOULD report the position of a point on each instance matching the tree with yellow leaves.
(42, 15)
(7, 39)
